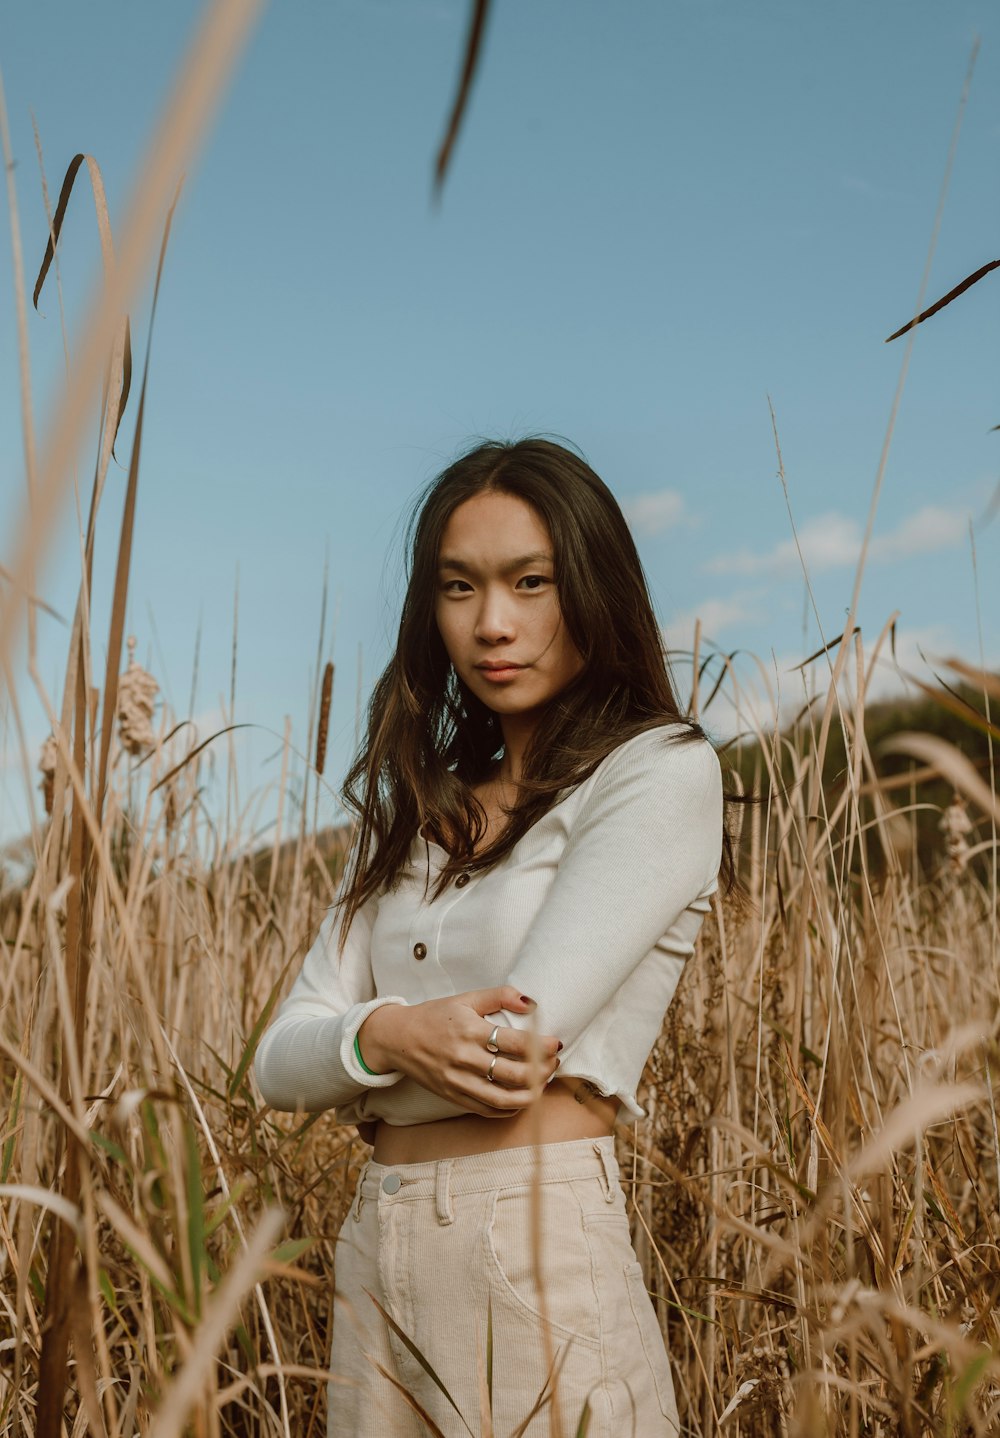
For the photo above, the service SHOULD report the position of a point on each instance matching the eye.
(542, 579)
(446, 587)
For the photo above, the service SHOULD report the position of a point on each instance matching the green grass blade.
(8, 1148)
(250, 1047)
(195, 1214)
(237, 1191)
(967, 1382)
(411, 1347)
(293, 1249)
(417, 1407)
(489, 1350)
(112, 1149)
(544, 1396)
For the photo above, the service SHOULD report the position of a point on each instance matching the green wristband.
(357, 1054)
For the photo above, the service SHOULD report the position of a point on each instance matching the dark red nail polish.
(559, 1046)
(526, 1000)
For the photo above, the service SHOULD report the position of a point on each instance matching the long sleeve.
(306, 1058)
(646, 844)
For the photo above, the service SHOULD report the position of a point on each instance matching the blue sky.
(657, 216)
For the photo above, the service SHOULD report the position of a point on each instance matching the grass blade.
(417, 1407)
(483, 1391)
(226, 25)
(125, 547)
(473, 46)
(221, 1314)
(940, 304)
(489, 1350)
(411, 1347)
(544, 1396)
(195, 1214)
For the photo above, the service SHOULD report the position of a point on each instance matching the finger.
(475, 1091)
(488, 1001)
(511, 1074)
(498, 1096)
(517, 1044)
(495, 1104)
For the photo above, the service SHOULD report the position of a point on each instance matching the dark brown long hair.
(429, 738)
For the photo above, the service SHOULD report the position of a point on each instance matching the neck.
(517, 730)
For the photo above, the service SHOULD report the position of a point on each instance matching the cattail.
(324, 717)
(137, 692)
(47, 765)
(170, 806)
(956, 826)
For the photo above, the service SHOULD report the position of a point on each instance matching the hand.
(441, 1044)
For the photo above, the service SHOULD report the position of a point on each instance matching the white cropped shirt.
(592, 914)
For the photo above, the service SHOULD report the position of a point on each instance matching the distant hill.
(956, 716)
(328, 846)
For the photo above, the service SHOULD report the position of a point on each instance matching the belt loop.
(359, 1201)
(442, 1191)
(607, 1161)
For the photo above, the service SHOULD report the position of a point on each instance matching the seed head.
(137, 693)
(324, 718)
(47, 765)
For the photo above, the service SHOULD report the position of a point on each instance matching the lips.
(489, 668)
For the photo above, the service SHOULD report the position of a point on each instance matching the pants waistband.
(443, 1178)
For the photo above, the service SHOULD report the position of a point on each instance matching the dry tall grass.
(814, 1193)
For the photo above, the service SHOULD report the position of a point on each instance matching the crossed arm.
(307, 1060)
(647, 841)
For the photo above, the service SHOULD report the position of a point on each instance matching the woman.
(540, 833)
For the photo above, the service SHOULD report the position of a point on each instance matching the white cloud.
(654, 512)
(716, 615)
(827, 542)
(915, 649)
(833, 541)
(930, 528)
(773, 689)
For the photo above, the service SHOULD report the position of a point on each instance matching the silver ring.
(491, 1042)
(489, 1071)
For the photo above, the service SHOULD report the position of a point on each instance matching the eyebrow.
(540, 557)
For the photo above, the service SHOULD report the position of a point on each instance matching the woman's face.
(497, 608)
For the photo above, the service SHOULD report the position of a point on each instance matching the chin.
(514, 707)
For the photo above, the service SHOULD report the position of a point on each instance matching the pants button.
(392, 1183)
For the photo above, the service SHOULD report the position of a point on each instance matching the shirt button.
(461, 881)
(420, 951)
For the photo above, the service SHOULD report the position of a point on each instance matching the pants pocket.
(571, 1302)
(652, 1339)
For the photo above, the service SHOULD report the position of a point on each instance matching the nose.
(494, 619)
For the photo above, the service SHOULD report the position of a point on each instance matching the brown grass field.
(814, 1195)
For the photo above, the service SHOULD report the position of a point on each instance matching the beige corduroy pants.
(439, 1242)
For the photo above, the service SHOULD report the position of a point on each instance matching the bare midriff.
(568, 1109)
